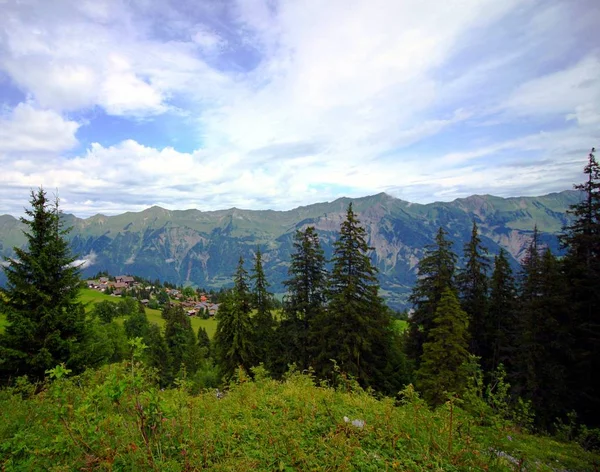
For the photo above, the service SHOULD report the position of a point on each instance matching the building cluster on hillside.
(122, 283)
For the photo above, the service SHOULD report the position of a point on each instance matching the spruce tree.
(204, 341)
(435, 274)
(472, 284)
(445, 352)
(46, 322)
(181, 342)
(157, 355)
(234, 338)
(305, 299)
(264, 323)
(355, 329)
(502, 320)
(581, 265)
(540, 362)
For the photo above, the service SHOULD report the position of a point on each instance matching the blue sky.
(120, 105)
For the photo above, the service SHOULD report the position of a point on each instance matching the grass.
(115, 418)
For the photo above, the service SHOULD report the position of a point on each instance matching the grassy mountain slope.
(116, 419)
(202, 248)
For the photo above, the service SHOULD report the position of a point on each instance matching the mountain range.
(202, 248)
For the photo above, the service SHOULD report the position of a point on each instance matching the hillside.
(116, 419)
(202, 248)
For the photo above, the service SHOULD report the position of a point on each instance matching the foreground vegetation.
(116, 418)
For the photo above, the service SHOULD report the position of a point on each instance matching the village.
(194, 302)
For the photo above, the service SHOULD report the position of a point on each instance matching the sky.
(118, 105)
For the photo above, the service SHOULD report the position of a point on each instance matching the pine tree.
(582, 269)
(234, 338)
(305, 300)
(264, 323)
(501, 326)
(472, 284)
(46, 322)
(445, 352)
(436, 273)
(355, 329)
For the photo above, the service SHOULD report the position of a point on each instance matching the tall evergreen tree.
(472, 284)
(540, 355)
(181, 342)
(46, 322)
(234, 338)
(305, 300)
(436, 274)
(501, 326)
(356, 328)
(264, 323)
(445, 352)
(157, 355)
(582, 269)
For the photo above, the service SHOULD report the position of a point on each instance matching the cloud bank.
(121, 105)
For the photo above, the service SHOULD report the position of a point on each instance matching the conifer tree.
(540, 365)
(355, 329)
(501, 326)
(445, 352)
(204, 341)
(136, 324)
(305, 300)
(46, 322)
(264, 323)
(181, 341)
(234, 338)
(157, 355)
(472, 284)
(436, 274)
(582, 269)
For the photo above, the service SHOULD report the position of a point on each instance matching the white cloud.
(28, 129)
(294, 101)
(86, 261)
(573, 92)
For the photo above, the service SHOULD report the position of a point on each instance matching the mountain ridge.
(202, 247)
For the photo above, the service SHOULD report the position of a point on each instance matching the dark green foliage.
(264, 323)
(540, 357)
(445, 354)
(436, 274)
(234, 338)
(472, 284)
(355, 328)
(162, 297)
(502, 323)
(157, 355)
(181, 342)
(305, 299)
(582, 269)
(136, 324)
(204, 341)
(233, 342)
(106, 311)
(46, 323)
